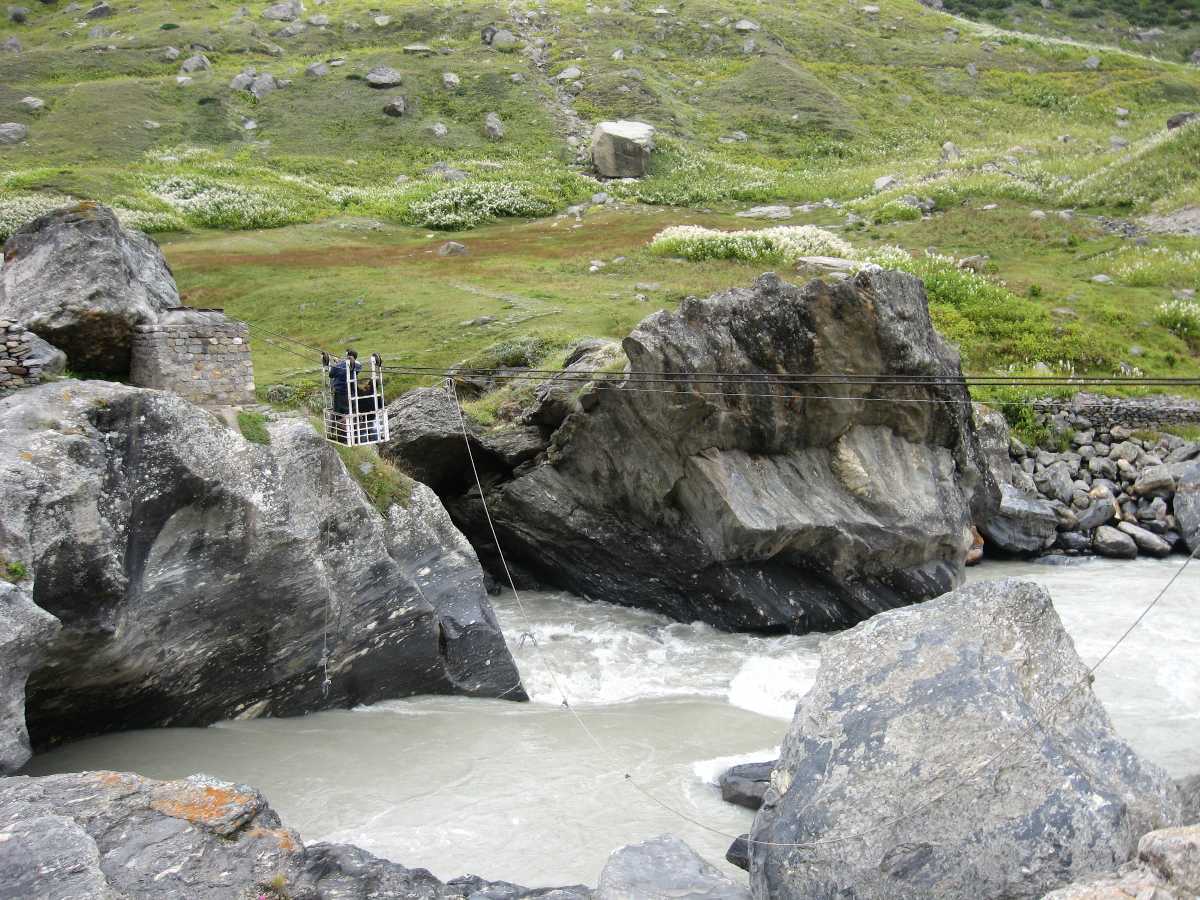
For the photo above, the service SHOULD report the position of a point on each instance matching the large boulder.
(749, 505)
(1021, 525)
(1167, 867)
(746, 784)
(664, 868)
(111, 836)
(25, 631)
(622, 149)
(84, 283)
(889, 777)
(199, 576)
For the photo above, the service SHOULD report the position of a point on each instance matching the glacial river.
(520, 791)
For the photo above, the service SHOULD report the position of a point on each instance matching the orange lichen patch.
(285, 838)
(203, 805)
(111, 778)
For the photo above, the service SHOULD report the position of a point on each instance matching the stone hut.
(17, 369)
(199, 354)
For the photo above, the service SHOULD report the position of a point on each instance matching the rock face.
(622, 149)
(755, 507)
(110, 835)
(664, 868)
(146, 524)
(84, 283)
(1167, 867)
(25, 631)
(905, 709)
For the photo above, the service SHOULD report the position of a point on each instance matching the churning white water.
(520, 792)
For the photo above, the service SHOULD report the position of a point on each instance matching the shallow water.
(521, 792)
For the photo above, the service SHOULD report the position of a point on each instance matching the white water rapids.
(518, 791)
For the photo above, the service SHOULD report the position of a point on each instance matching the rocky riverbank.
(1103, 489)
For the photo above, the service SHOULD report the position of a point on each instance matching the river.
(521, 791)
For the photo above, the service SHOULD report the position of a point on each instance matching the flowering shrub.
(18, 209)
(785, 243)
(214, 204)
(1181, 317)
(470, 203)
(1158, 267)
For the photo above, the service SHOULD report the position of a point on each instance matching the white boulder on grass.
(622, 149)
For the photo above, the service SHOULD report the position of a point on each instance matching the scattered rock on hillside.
(452, 248)
(622, 149)
(1180, 119)
(1092, 62)
(18, 14)
(108, 834)
(233, 554)
(384, 77)
(451, 81)
(10, 45)
(170, 54)
(196, 63)
(886, 182)
(81, 281)
(766, 212)
(317, 70)
(12, 133)
(26, 631)
(745, 26)
(396, 107)
(950, 152)
(493, 128)
(287, 11)
(663, 868)
(99, 11)
(904, 709)
(446, 172)
(504, 41)
(437, 130)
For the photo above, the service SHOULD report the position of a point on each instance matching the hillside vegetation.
(770, 102)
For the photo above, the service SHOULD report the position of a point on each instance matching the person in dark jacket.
(340, 374)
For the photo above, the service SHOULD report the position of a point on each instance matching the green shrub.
(383, 483)
(14, 572)
(784, 244)
(471, 203)
(1181, 317)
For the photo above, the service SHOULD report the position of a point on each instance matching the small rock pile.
(19, 367)
(1104, 489)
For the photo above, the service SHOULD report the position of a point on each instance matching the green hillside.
(806, 102)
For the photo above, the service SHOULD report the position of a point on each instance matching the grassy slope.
(830, 99)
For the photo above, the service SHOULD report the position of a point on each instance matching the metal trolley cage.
(358, 416)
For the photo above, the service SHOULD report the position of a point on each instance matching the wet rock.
(1111, 542)
(107, 835)
(904, 708)
(745, 785)
(1021, 524)
(146, 523)
(622, 149)
(25, 632)
(663, 868)
(84, 283)
(1147, 541)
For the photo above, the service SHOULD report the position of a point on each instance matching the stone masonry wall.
(17, 370)
(1104, 413)
(202, 356)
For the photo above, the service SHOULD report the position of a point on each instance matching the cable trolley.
(355, 409)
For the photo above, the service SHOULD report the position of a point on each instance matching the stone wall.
(17, 369)
(1104, 413)
(201, 355)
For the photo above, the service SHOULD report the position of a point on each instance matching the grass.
(382, 482)
(253, 426)
(13, 572)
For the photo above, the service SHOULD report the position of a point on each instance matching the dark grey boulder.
(760, 507)
(1186, 504)
(1101, 511)
(746, 784)
(1147, 541)
(909, 709)
(84, 283)
(621, 149)
(118, 836)
(1021, 524)
(738, 853)
(1111, 542)
(664, 868)
(25, 632)
(194, 572)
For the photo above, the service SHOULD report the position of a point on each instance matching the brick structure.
(198, 354)
(17, 370)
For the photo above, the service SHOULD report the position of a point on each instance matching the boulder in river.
(746, 784)
(664, 868)
(1167, 867)
(746, 503)
(1021, 524)
(198, 576)
(84, 283)
(109, 835)
(889, 774)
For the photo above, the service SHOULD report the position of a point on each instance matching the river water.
(522, 792)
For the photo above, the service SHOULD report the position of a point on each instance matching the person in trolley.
(355, 409)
